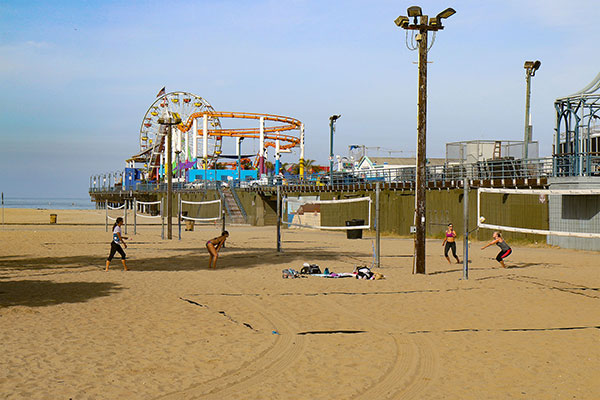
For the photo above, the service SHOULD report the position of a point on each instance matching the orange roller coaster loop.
(271, 133)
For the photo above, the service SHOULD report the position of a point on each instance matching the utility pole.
(422, 25)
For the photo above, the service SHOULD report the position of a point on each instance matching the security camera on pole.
(422, 25)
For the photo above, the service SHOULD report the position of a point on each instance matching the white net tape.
(481, 219)
(147, 203)
(202, 203)
(113, 208)
(339, 228)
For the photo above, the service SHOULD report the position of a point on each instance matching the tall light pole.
(169, 119)
(332, 120)
(530, 68)
(422, 25)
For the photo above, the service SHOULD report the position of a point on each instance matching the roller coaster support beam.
(205, 143)
(301, 151)
(238, 151)
(261, 159)
(195, 141)
(277, 157)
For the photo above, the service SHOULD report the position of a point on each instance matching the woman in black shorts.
(505, 249)
(115, 245)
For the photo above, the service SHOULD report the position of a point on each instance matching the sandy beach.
(172, 329)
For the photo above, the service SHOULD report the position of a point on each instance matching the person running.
(505, 249)
(115, 245)
(450, 243)
(213, 246)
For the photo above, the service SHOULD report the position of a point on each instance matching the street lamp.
(168, 119)
(530, 68)
(332, 120)
(422, 25)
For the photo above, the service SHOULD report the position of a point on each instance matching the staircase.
(235, 212)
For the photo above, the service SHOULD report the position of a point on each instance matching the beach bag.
(309, 269)
(363, 272)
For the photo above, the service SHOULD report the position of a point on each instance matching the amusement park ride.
(201, 125)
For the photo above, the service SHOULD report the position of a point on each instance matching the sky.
(78, 76)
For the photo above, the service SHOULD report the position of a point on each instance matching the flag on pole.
(161, 92)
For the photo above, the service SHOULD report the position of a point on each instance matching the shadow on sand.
(34, 293)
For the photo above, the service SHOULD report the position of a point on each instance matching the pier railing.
(438, 175)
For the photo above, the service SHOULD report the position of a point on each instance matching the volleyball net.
(341, 214)
(549, 212)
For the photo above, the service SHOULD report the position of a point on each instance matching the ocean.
(49, 203)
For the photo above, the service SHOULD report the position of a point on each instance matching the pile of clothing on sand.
(360, 272)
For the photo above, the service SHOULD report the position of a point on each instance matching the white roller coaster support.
(205, 141)
(301, 151)
(481, 224)
(195, 139)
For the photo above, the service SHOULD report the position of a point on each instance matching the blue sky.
(78, 76)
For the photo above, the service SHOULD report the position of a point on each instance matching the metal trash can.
(354, 233)
(53, 218)
(189, 225)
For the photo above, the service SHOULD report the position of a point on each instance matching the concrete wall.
(576, 213)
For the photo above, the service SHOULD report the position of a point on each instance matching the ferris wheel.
(152, 134)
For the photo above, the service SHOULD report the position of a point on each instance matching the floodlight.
(435, 22)
(401, 21)
(536, 65)
(448, 12)
(528, 65)
(334, 117)
(414, 11)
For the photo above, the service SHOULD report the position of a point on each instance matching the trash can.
(53, 218)
(189, 225)
(354, 233)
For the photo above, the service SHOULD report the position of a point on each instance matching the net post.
(377, 229)
(223, 220)
(279, 219)
(125, 216)
(106, 215)
(466, 227)
(162, 220)
(179, 213)
(134, 216)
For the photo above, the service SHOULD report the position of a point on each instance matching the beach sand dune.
(172, 329)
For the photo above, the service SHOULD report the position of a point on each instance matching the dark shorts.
(115, 248)
(503, 254)
(450, 245)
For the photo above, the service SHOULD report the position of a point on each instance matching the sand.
(172, 329)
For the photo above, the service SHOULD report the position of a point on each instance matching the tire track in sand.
(287, 348)
(413, 368)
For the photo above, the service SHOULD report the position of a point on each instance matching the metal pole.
(134, 216)
(331, 123)
(527, 135)
(106, 218)
(279, 219)
(421, 179)
(179, 213)
(377, 228)
(125, 216)
(466, 223)
(169, 183)
(2, 208)
(162, 220)
(223, 218)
